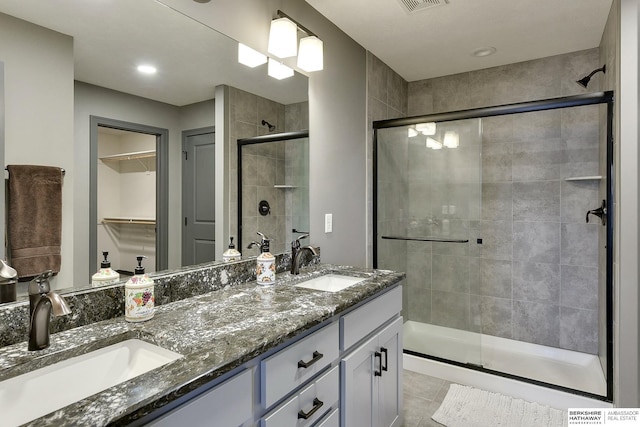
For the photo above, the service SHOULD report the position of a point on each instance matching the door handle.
(385, 366)
(600, 212)
(378, 373)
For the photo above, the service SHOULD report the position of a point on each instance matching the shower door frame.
(595, 98)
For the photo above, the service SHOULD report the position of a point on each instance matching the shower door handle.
(601, 213)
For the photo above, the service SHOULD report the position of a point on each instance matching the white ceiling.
(440, 40)
(111, 37)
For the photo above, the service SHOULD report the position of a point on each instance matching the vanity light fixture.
(310, 54)
(283, 43)
(283, 38)
(451, 139)
(147, 69)
(426, 128)
(250, 57)
(278, 70)
(432, 143)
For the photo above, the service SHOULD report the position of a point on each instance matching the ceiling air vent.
(417, 5)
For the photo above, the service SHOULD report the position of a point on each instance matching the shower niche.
(484, 210)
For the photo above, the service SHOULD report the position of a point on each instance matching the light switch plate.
(328, 223)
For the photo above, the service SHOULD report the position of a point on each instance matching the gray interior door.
(198, 196)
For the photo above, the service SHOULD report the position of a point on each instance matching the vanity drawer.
(331, 420)
(314, 401)
(228, 404)
(292, 366)
(366, 319)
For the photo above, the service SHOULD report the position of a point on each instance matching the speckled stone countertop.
(215, 332)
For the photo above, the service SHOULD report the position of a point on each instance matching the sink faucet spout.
(42, 303)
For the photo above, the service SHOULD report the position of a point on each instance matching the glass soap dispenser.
(139, 300)
(105, 276)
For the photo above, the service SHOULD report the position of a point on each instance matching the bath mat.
(471, 407)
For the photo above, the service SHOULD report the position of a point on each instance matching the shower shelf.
(426, 239)
(285, 186)
(584, 178)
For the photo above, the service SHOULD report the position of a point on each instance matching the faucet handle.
(40, 283)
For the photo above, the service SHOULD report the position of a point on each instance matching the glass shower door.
(429, 192)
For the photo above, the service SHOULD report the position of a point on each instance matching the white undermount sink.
(330, 282)
(39, 392)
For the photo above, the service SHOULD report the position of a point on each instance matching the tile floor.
(422, 397)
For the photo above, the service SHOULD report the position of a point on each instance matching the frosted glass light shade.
(278, 70)
(250, 57)
(310, 54)
(451, 139)
(426, 128)
(432, 143)
(283, 38)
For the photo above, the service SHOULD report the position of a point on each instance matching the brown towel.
(34, 223)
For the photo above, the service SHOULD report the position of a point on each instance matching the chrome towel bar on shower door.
(426, 239)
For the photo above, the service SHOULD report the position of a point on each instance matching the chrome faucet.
(42, 302)
(296, 253)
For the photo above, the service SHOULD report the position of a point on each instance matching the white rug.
(471, 407)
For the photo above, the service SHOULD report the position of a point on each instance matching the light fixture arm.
(281, 14)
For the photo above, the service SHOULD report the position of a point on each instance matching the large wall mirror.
(89, 85)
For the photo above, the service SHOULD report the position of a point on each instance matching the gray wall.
(93, 100)
(627, 388)
(337, 119)
(39, 114)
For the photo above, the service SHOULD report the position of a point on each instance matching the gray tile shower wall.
(535, 275)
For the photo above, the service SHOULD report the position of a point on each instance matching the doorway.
(132, 217)
(198, 196)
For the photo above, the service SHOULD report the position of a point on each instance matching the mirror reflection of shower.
(273, 175)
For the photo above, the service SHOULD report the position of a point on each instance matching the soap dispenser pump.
(266, 264)
(139, 300)
(105, 276)
(231, 254)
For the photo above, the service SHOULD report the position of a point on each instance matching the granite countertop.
(215, 332)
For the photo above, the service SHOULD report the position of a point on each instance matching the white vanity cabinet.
(228, 404)
(371, 372)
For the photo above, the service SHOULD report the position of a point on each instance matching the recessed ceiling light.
(484, 51)
(147, 69)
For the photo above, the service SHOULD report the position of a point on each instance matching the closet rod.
(62, 169)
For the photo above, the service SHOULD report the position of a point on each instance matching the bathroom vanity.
(277, 356)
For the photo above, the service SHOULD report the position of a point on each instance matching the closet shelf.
(584, 178)
(141, 221)
(130, 156)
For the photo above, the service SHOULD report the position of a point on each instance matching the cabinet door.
(390, 382)
(359, 393)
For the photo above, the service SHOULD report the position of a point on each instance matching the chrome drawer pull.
(316, 356)
(317, 404)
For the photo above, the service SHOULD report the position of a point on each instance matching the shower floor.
(571, 369)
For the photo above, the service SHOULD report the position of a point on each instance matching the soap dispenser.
(266, 264)
(105, 276)
(139, 301)
(232, 253)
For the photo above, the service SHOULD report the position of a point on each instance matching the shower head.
(585, 80)
(271, 127)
